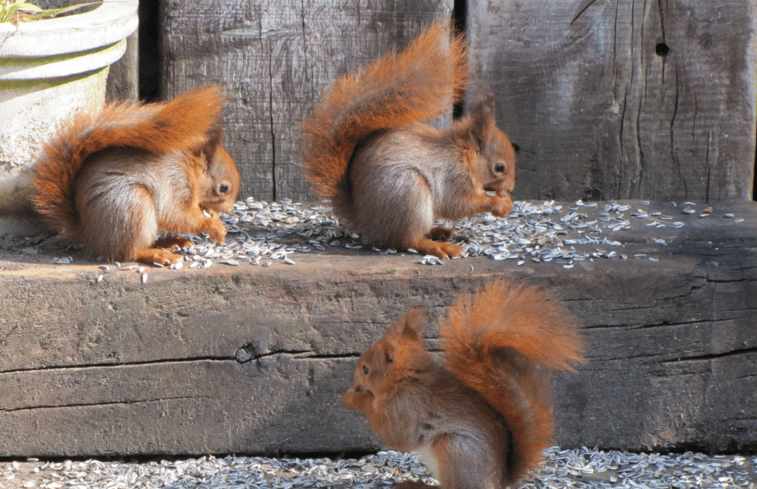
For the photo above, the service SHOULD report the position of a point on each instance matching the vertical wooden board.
(123, 77)
(275, 58)
(625, 98)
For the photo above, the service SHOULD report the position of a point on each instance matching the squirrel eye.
(499, 168)
(223, 188)
(516, 148)
(366, 369)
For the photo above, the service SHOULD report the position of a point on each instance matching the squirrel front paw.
(356, 398)
(216, 229)
(157, 256)
(503, 204)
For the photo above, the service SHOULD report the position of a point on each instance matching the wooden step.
(252, 359)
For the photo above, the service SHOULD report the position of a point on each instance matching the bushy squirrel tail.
(420, 83)
(498, 342)
(185, 123)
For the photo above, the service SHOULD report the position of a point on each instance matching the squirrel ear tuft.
(414, 323)
(483, 118)
(212, 143)
(410, 325)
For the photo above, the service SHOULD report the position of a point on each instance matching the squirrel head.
(495, 154)
(221, 183)
(390, 360)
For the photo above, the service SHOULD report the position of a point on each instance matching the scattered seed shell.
(263, 232)
(561, 468)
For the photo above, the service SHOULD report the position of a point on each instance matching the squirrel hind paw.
(157, 256)
(428, 246)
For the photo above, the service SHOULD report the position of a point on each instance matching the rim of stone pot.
(109, 23)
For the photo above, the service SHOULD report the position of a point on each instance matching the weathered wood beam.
(623, 99)
(254, 360)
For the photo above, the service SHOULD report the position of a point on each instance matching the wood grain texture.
(254, 360)
(123, 77)
(275, 58)
(623, 98)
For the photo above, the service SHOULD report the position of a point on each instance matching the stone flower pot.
(50, 69)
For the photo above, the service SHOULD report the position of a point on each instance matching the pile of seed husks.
(579, 468)
(261, 233)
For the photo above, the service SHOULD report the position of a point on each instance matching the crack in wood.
(663, 324)
(583, 8)
(673, 153)
(271, 123)
(294, 354)
(714, 356)
(327, 356)
(714, 280)
(707, 165)
(96, 404)
(678, 324)
(116, 365)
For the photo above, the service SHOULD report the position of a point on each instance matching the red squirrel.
(480, 417)
(388, 174)
(112, 181)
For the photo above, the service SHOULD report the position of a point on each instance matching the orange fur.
(483, 416)
(366, 150)
(88, 173)
(499, 318)
(420, 83)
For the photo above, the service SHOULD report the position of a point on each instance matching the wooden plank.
(626, 99)
(253, 360)
(201, 406)
(123, 77)
(275, 59)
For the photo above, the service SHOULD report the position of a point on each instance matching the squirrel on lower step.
(112, 181)
(480, 417)
(388, 174)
